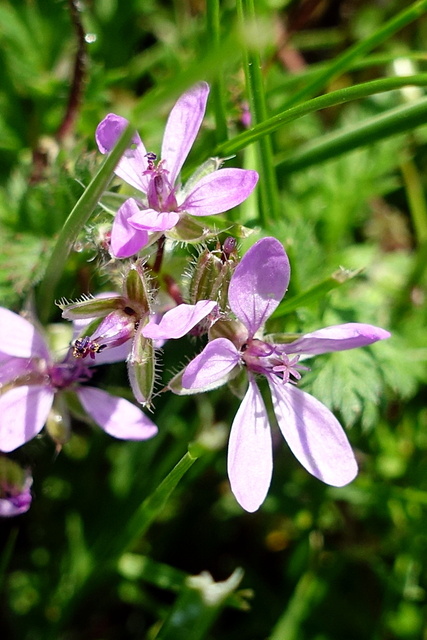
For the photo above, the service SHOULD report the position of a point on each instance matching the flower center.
(268, 359)
(160, 192)
(66, 373)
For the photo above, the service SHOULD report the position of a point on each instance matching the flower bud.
(233, 330)
(15, 484)
(58, 423)
(208, 268)
(116, 329)
(212, 274)
(137, 290)
(141, 367)
(91, 308)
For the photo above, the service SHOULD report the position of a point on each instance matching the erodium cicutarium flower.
(312, 432)
(164, 202)
(30, 380)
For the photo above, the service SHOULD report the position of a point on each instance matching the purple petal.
(11, 368)
(313, 434)
(250, 459)
(151, 220)
(23, 413)
(125, 239)
(116, 416)
(133, 163)
(259, 283)
(115, 354)
(182, 128)
(211, 368)
(220, 191)
(338, 337)
(15, 505)
(179, 320)
(20, 338)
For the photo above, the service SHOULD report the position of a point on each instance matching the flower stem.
(75, 222)
(268, 189)
(217, 90)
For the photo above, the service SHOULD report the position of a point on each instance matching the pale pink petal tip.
(179, 321)
(116, 416)
(250, 459)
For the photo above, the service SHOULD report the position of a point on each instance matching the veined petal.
(11, 368)
(250, 458)
(219, 192)
(20, 338)
(151, 220)
(259, 283)
(23, 413)
(125, 239)
(179, 320)
(211, 368)
(182, 128)
(116, 416)
(313, 434)
(133, 162)
(339, 337)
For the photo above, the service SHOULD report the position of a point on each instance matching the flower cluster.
(228, 302)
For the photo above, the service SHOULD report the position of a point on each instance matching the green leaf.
(315, 293)
(349, 382)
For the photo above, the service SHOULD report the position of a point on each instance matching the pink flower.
(312, 432)
(30, 379)
(165, 202)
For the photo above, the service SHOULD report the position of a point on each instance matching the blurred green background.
(344, 188)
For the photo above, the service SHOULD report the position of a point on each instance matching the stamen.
(86, 347)
(151, 157)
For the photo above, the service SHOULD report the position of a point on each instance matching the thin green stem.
(269, 196)
(105, 554)
(343, 62)
(416, 199)
(332, 99)
(308, 592)
(75, 222)
(372, 130)
(213, 28)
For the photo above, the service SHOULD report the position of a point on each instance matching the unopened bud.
(58, 423)
(137, 289)
(92, 307)
(116, 329)
(212, 274)
(15, 485)
(141, 368)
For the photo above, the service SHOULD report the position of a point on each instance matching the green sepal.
(233, 330)
(188, 229)
(238, 384)
(175, 385)
(58, 424)
(281, 338)
(91, 308)
(141, 367)
(136, 287)
(11, 474)
(206, 271)
(211, 165)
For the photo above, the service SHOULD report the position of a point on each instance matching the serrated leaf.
(349, 382)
